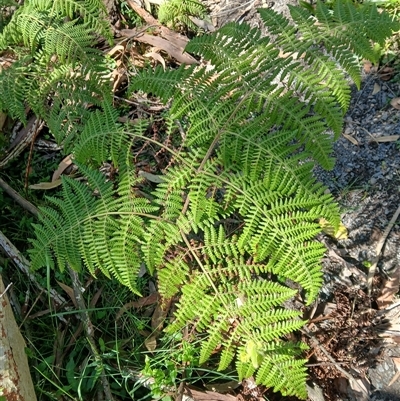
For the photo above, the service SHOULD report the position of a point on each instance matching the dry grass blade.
(351, 139)
(388, 138)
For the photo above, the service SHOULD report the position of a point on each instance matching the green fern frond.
(61, 54)
(175, 12)
(102, 137)
(237, 204)
(92, 12)
(361, 18)
(67, 117)
(84, 228)
(282, 371)
(244, 311)
(14, 84)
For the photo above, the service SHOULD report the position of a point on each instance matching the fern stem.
(89, 330)
(204, 270)
(211, 148)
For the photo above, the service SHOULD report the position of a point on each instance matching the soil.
(353, 335)
(365, 182)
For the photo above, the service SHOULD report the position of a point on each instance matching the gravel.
(366, 183)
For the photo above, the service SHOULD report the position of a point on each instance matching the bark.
(15, 379)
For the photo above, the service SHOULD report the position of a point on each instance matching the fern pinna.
(235, 214)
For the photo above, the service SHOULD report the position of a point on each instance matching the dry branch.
(15, 379)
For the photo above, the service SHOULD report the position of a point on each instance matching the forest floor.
(353, 332)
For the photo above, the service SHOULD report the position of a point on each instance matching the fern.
(237, 206)
(178, 12)
(27, 19)
(55, 58)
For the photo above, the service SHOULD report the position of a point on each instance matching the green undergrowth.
(211, 205)
(15, 221)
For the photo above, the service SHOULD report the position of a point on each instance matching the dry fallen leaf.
(151, 177)
(361, 388)
(328, 229)
(159, 316)
(149, 300)
(70, 292)
(96, 297)
(367, 66)
(46, 185)
(388, 138)
(377, 89)
(156, 56)
(3, 118)
(115, 49)
(209, 395)
(147, 5)
(396, 363)
(67, 161)
(390, 288)
(386, 73)
(174, 51)
(351, 139)
(394, 379)
(223, 387)
(151, 343)
(203, 24)
(395, 102)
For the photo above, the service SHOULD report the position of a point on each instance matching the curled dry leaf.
(386, 73)
(46, 185)
(351, 139)
(156, 56)
(66, 162)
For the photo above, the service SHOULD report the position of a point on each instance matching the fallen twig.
(20, 261)
(317, 344)
(18, 198)
(379, 246)
(5, 290)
